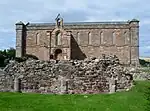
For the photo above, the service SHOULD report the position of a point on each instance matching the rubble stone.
(89, 76)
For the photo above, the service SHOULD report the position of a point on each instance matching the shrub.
(144, 63)
(2, 58)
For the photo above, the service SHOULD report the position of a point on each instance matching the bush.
(2, 58)
(144, 63)
(6, 55)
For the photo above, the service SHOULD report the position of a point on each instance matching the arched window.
(89, 38)
(78, 37)
(113, 38)
(125, 37)
(58, 38)
(37, 39)
(101, 38)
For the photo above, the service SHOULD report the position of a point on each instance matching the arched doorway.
(58, 54)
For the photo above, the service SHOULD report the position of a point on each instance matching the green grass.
(134, 100)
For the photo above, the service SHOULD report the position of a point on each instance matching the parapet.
(82, 25)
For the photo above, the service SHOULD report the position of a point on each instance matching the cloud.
(13, 11)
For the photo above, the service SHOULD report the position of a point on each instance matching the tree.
(6, 55)
(11, 53)
(144, 63)
(2, 58)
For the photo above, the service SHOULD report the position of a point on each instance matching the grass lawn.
(134, 100)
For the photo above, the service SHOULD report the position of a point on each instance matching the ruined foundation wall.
(73, 77)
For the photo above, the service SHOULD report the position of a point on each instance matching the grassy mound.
(134, 100)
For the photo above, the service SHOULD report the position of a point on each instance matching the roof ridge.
(81, 23)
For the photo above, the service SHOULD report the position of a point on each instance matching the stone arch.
(58, 40)
(58, 54)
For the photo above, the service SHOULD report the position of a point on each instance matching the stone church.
(79, 40)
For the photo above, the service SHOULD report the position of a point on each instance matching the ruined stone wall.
(87, 40)
(42, 42)
(101, 41)
(74, 77)
(36, 41)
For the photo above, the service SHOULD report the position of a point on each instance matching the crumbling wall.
(91, 75)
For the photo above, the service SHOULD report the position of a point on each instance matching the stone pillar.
(19, 39)
(112, 85)
(134, 42)
(63, 85)
(17, 85)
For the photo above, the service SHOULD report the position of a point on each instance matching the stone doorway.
(58, 54)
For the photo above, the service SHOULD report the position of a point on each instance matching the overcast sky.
(12, 11)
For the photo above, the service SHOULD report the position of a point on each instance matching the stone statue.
(59, 21)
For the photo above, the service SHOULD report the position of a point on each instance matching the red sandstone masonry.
(72, 77)
(75, 41)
